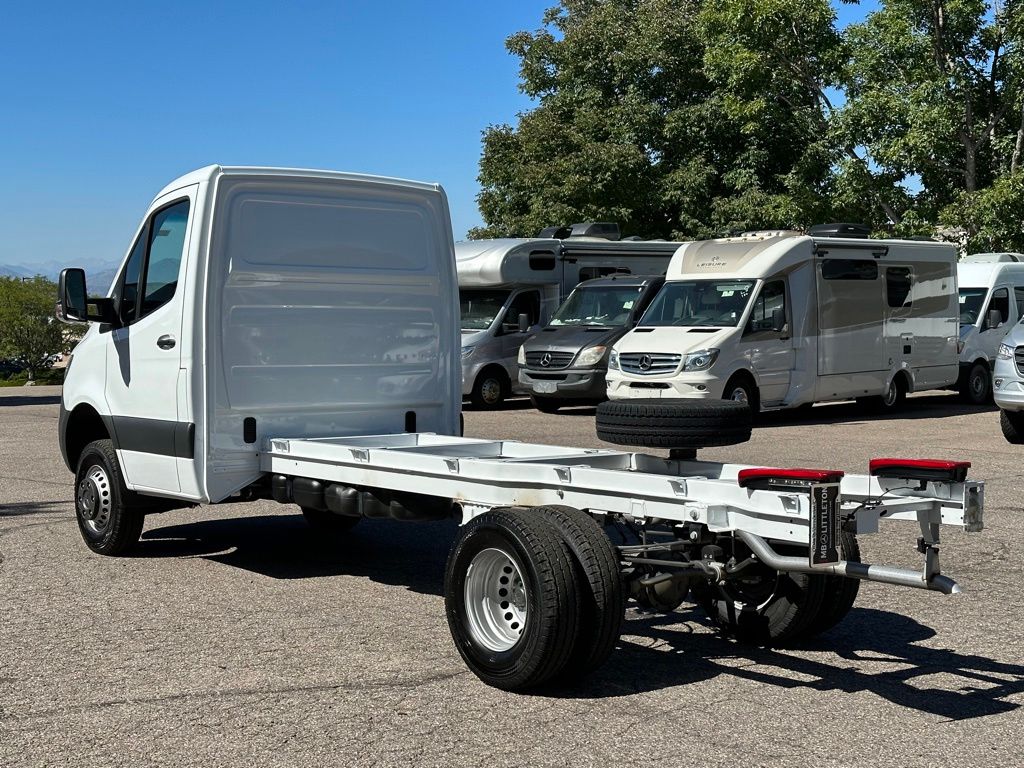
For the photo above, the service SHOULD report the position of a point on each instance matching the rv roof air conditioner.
(840, 229)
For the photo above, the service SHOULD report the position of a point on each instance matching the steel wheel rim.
(490, 391)
(890, 394)
(95, 501)
(978, 385)
(496, 602)
(739, 395)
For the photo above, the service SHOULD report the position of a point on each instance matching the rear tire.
(1012, 424)
(545, 404)
(976, 388)
(768, 607)
(512, 599)
(603, 602)
(840, 591)
(673, 423)
(893, 399)
(327, 522)
(490, 388)
(110, 517)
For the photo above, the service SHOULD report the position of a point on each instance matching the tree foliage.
(29, 332)
(685, 118)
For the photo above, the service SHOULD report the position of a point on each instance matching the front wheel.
(1012, 424)
(110, 517)
(742, 389)
(976, 388)
(490, 389)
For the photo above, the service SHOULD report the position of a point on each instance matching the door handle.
(166, 341)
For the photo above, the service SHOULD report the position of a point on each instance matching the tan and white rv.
(783, 319)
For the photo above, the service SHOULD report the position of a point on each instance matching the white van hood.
(675, 339)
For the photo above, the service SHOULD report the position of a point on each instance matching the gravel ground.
(236, 638)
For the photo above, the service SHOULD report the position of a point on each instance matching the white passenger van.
(782, 319)
(510, 287)
(991, 301)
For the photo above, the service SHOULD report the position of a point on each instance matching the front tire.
(741, 389)
(976, 388)
(490, 389)
(110, 517)
(1012, 424)
(512, 599)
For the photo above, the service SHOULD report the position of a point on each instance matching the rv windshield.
(479, 306)
(606, 305)
(971, 300)
(718, 303)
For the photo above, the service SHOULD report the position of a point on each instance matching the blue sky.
(103, 103)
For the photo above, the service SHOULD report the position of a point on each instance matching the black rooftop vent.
(557, 233)
(607, 230)
(840, 229)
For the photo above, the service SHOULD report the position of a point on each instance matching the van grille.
(1018, 358)
(649, 363)
(554, 359)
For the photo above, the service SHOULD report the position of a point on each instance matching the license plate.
(545, 387)
(643, 392)
(825, 534)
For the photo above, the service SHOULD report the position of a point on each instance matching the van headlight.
(591, 356)
(1005, 352)
(521, 357)
(613, 361)
(700, 360)
(467, 351)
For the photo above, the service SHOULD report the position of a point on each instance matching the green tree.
(935, 106)
(676, 118)
(29, 331)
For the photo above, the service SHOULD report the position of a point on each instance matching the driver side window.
(526, 303)
(768, 319)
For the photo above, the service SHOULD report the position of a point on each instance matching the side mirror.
(73, 300)
(524, 322)
(994, 319)
(72, 305)
(778, 320)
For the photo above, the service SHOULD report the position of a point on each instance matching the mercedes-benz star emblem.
(646, 361)
(545, 359)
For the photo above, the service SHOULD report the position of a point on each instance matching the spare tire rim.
(94, 500)
(496, 602)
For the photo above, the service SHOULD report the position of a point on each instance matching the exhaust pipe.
(885, 574)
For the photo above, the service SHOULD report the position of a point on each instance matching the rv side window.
(768, 315)
(898, 281)
(1018, 294)
(590, 273)
(542, 261)
(849, 269)
(1001, 302)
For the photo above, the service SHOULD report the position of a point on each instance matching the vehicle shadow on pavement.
(405, 554)
(867, 636)
(931, 407)
(32, 508)
(7, 402)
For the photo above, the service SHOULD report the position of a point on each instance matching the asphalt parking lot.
(234, 637)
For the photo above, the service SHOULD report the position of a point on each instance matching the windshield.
(606, 305)
(479, 306)
(971, 300)
(717, 303)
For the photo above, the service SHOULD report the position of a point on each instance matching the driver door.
(526, 302)
(768, 342)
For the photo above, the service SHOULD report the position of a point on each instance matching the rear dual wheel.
(772, 608)
(531, 595)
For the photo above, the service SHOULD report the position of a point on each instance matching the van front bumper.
(1008, 393)
(700, 386)
(567, 384)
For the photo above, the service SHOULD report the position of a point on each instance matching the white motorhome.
(782, 319)
(510, 287)
(292, 335)
(991, 301)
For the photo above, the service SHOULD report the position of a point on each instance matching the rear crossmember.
(699, 505)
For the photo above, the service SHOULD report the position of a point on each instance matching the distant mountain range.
(98, 275)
